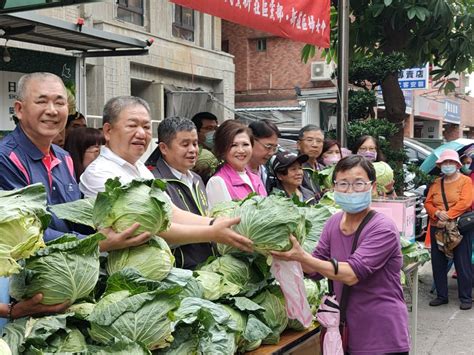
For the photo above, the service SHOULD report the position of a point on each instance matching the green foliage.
(361, 103)
(373, 69)
(421, 178)
(380, 128)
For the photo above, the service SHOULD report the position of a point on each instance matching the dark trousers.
(462, 262)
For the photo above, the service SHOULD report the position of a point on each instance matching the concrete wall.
(170, 60)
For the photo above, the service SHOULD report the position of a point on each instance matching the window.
(183, 25)
(130, 11)
(261, 45)
(225, 46)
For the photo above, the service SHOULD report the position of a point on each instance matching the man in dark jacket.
(178, 144)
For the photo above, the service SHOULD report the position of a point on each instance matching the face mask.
(448, 169)
(353, 202)
(332, 160)
(465, 169)
(370, 156)
(209, 140)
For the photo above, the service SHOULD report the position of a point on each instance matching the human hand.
(124, 239)
(442, 216)
(33, 306)
(222, 233)
(296, 253)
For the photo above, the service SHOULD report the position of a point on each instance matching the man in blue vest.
(178, 144)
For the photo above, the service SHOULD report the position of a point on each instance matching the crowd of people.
(206, 163)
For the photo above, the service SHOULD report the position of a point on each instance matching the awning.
(33, 28)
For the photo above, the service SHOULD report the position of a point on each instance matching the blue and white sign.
(413, 78)
(452, 112)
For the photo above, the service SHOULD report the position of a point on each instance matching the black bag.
(466, 220)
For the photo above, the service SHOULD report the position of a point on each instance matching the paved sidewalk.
(444, 329)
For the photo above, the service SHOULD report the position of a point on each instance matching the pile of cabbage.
(135, 301)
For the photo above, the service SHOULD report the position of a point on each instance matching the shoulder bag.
(466, 220)
(343, 329)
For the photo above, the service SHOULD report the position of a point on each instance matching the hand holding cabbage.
(34, 307)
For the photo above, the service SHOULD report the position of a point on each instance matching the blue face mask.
(465, 169)
(353, 202)
(448, 169)
(209, 140)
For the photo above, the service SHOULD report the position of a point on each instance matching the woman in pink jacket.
(233, 143)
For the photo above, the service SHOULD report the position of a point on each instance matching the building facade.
(184, 69)
(271, 78)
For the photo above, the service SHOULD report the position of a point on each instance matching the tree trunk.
(395, 107)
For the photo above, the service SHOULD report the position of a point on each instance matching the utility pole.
(342, 71)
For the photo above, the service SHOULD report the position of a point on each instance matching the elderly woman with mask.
(458, 195)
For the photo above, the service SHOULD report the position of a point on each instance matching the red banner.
(300, 20)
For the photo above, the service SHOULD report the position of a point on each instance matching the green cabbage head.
(384, 175)
(23, 218)
(142, 201)
(153, 260)
(66, 270)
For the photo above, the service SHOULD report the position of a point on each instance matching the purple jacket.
(238, 189)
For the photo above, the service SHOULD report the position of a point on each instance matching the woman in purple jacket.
(376, 313)
(233, 143)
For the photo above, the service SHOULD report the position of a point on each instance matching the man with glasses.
(206, 124)
(265, 134)
(310, 142)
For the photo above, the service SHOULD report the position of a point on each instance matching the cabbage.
(384, 175)
(142, 317)
(273, 313)
(152, 260)
(66, 270)
(215, 285)
(232, 269)
(203, 327)
(324, 177)
(23, 218)
(268, 222)
(4, 348)
(142, 201)
(317, 215)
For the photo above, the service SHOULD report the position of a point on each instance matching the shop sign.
(414, 78)
(8, 95)
(305, 21)
(408, 95)
(452, 112)
(429, 108)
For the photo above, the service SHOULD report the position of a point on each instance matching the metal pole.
(342, 71)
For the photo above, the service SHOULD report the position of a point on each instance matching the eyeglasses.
(270, 147)
(357, 186)
(369, 149)
(313, 140)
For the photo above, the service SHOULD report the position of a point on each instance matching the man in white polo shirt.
(127, 131)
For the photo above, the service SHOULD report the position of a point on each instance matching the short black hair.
(264, 128)
(170, 126)
(198, 117)
(308, 128)
(352, 161)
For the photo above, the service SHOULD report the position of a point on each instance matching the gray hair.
(115, 105)
(170, 126)
(308, 128)
(22, 86)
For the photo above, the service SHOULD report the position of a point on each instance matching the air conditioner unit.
(321, 71)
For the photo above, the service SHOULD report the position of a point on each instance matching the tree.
(440, 32)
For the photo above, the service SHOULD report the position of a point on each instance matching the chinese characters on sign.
(8, 95)
(452, 112)
(300, 20)
(413, 78)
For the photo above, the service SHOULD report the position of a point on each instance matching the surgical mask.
(370, 156)
(466, 169)
(448, 169)
(331, 160)
(209, 139)
(353, 202)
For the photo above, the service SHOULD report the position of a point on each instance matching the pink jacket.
(237, 188)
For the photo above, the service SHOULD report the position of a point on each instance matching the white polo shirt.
(109, 165)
